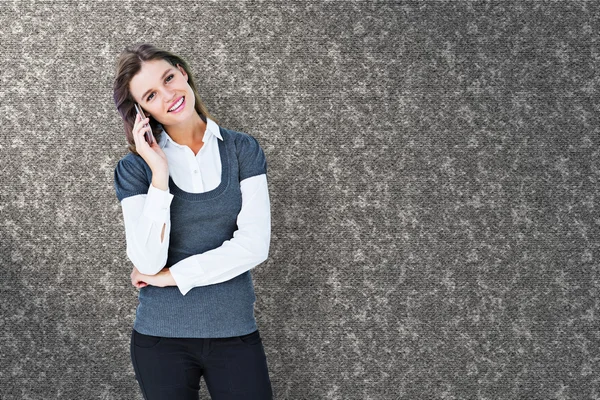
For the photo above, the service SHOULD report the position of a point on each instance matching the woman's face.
(157, 87)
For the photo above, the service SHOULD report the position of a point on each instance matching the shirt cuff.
(157, 204)
(184, 282)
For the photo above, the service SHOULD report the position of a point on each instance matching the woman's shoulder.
(242, 141)
(131, 177)
(236, 136)
(131, 157)
(133, 163)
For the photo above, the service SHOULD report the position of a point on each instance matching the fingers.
(136, 279)
(138, 283)
(139, 130)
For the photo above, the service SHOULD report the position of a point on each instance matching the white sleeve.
(144, 216)
(248, 248)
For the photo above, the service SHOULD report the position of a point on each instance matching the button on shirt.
(145, 215)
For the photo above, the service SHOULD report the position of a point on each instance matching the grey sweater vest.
(199, 222)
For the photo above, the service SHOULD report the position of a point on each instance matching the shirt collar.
(211, 129)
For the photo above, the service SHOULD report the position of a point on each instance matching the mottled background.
(433, 170)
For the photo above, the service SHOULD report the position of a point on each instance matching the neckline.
(211, 194)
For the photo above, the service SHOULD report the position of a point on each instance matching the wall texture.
(434, 176)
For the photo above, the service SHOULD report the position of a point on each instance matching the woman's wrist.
(160, 180)
(168, 279)
(162, 279)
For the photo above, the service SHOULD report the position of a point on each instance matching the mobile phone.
(149, 135)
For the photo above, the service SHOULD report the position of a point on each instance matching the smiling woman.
(164, 79)
(197, 219)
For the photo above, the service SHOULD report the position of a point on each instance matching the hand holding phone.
(148, 135)
(153, 155)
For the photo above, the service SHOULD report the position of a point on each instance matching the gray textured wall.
(433, 169)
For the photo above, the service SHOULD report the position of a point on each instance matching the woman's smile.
(181, 104)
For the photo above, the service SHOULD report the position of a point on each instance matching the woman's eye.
(150, 97)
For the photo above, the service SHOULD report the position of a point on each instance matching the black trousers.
(171, 368)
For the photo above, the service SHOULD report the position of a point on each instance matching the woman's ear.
(182, 71)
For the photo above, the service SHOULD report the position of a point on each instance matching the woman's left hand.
(162, 279)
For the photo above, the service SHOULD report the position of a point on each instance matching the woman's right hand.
(138, 279)
(152, 154)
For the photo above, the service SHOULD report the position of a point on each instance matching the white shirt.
(145, 214)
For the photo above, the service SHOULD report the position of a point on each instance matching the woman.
(197, 219)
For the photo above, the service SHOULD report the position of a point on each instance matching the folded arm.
(147, 217)
(248, 247)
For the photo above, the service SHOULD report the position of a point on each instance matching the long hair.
(128, 65)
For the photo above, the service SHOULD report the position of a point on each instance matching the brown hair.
(128, 65)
